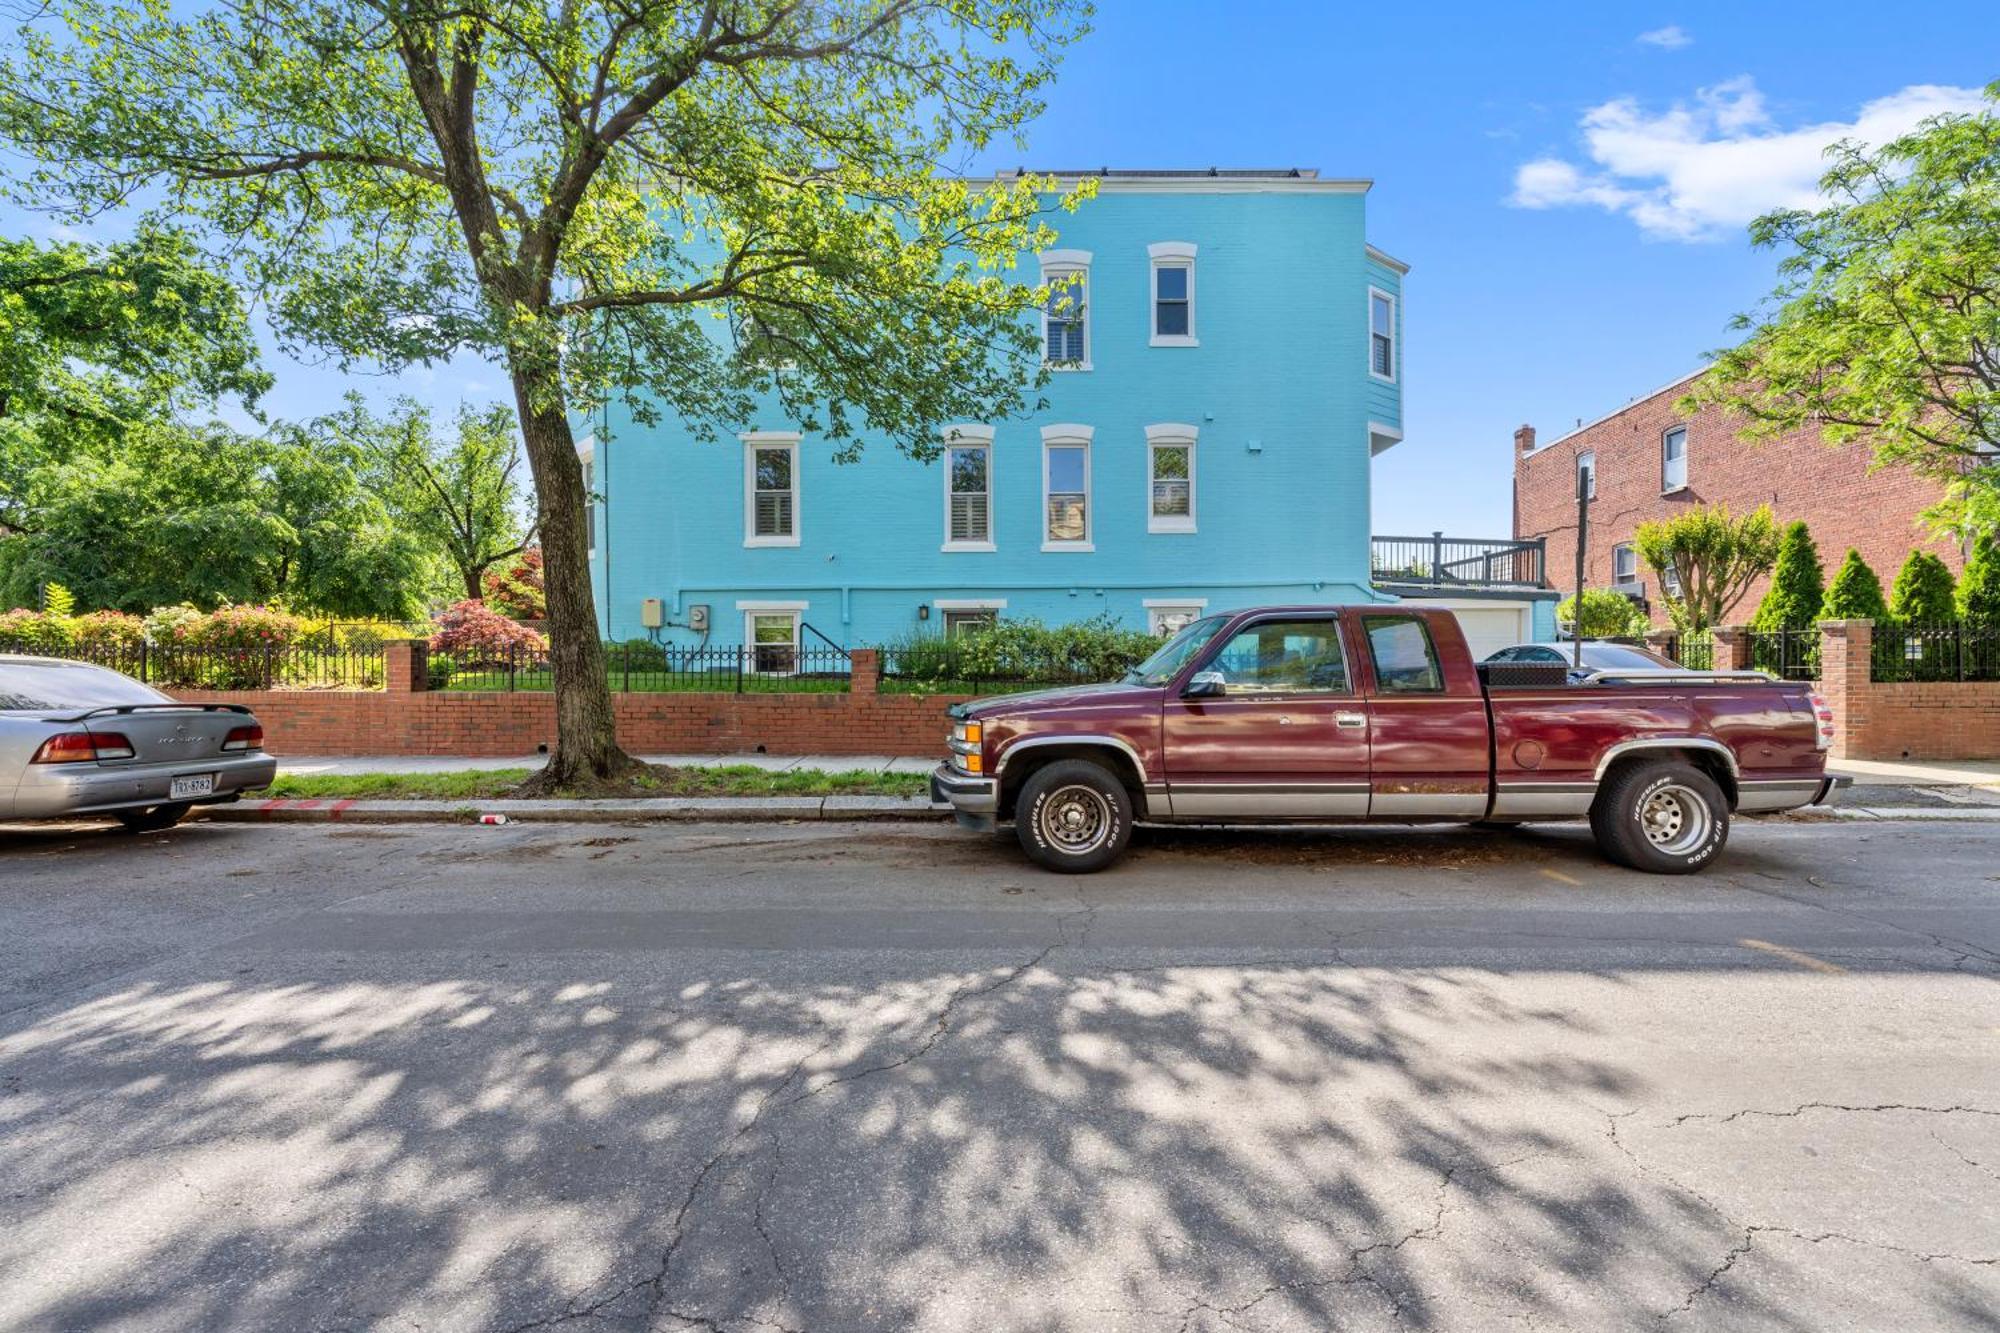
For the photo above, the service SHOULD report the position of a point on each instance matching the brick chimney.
(1524, 440)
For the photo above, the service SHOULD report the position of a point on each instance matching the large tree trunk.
(586, 749)
(471, 574)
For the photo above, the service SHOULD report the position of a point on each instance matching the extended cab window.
(1284, 656)
(1405, 661)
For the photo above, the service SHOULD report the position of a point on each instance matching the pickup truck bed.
(1328, 714)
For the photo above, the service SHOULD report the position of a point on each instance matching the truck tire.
(1663, 818)
(1073, 817)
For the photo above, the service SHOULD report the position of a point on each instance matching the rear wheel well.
(1020, 767)
(1710, 762)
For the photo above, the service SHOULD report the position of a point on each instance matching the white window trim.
(1591, 490)
(751, 610)
(769, 439)
(1616, 579)
(969, 603)
(1171, 435)
(1061, 264)
(1395, 336)
(1069, 434)
(1170, 254)
(1157, 607)
(969, 435)
(1665, 487)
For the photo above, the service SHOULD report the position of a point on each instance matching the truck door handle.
(1350, 721)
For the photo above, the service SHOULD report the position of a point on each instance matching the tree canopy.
(1885, 324)
(1606, 615)
(583, 194)
(1705, 559)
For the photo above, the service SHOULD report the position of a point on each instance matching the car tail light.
(1822, 721)
(83, 747)
(244, 738)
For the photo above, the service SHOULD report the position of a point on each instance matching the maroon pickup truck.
(1316, 714)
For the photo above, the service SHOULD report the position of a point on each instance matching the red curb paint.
(335, 810)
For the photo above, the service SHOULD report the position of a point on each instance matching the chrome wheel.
(1675, 819)
(1075, 820)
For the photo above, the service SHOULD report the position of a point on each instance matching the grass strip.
(497, 783)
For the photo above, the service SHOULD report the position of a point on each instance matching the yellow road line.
(1794, 956)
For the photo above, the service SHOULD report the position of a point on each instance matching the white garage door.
(1489, 628)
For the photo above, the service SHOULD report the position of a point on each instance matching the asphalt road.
(830, 1077)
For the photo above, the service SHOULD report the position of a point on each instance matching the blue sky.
(1570, 182)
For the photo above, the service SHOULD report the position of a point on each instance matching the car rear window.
(1405, 661)
(34, 685)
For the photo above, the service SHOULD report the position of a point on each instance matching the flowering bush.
(168, 625)
(515, 588)
(25, 631)
(108, 632)
(242, 629)
(471, 631)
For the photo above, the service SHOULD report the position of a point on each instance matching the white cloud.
(1670, 38)
(1705, 167)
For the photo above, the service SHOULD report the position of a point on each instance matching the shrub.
(637, 655)
(245, 629)
(514, 588)
(26, 631)
(109, 632)
(1924, 591)
(58, 601)
(1798, 586)
(470, 631)
(1026, 650)
(1606, 615)
(166, 626)
(1855, 593)
(1979, 586)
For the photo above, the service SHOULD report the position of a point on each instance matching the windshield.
(69, 685)
(1174, 653)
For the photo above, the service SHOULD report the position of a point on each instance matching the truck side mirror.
(1205, 685)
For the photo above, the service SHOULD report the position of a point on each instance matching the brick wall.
(405, 719)
(1901, 720)
(1798, 475)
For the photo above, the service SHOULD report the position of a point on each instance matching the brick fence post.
(1662, 641)
(406, 666)
(865, 672)
(1732, 647)
(1846, 668)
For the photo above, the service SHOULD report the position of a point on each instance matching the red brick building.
(1650, 461)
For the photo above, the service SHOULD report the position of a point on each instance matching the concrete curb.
(1967, 814)
(708, 809)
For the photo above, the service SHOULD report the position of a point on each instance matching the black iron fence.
(1438, 561)
(943, 666)
(641, 667)
(1953, 651)
(1696, 652)
(264, 667)
(1789, 654)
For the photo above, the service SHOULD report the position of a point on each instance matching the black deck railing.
(1440, 562)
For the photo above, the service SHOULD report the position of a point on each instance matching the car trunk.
(178, 736)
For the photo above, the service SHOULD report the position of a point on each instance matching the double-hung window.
(968, 485)
(1624, 563)
(1066, 310)
(1674, 459)
(771, 636)
(588, 458)
(1170, 478)
(771, 488)
(1173, 294)
(1066, 488)
(1381, 334)
(962, 617)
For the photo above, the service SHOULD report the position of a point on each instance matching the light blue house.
(1235, 361)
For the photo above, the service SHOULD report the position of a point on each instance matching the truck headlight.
(969, 732)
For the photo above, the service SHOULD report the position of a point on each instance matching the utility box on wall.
(652, 615)
(698, 617)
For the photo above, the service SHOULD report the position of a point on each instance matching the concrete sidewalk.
(309, 765)
(1921, 772)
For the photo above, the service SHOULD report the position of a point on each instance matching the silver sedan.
(77, 739)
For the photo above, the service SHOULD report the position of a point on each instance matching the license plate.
(199, 784)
